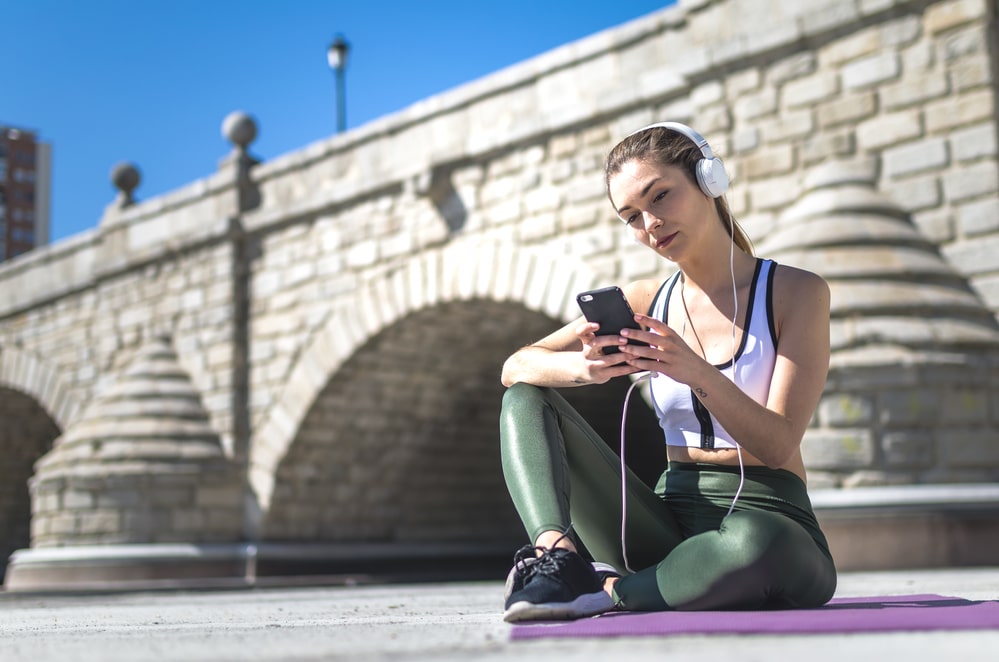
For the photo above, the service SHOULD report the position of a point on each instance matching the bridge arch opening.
(402, 443)
(27, 432)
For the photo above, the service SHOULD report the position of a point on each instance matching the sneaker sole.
(583, 606)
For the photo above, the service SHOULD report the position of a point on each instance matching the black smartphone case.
(609, 308)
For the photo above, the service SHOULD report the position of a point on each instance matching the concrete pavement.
(451, 621)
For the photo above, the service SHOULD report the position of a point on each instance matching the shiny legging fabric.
(686, 554)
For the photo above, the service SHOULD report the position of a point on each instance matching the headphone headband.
(711, 175)
(695, 137)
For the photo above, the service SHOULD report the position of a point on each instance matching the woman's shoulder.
(796, 286)
(796, 277)
(641, 293)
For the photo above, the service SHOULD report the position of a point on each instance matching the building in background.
(25, 195)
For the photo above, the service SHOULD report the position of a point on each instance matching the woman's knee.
(521, 397)
(769, 540)
(520, 391)
(788, 562)
(522, 409)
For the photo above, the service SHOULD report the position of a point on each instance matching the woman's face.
(665, 210)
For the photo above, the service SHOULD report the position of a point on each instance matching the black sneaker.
(557, 585)
(521, 570)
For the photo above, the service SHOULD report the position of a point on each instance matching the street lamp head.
(336, 54)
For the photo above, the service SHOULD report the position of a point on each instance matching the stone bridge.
(291, 365)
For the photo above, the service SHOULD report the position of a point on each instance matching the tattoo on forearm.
(579, 381)
(701, 393)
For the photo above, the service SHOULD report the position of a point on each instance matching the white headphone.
(711, 175)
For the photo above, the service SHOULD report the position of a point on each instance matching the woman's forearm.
(544, 367)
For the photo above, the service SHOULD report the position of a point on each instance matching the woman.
(738, 351)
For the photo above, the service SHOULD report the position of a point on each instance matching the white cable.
(735, 316)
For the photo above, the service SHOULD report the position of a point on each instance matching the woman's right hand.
(600, 367)
(573, 354)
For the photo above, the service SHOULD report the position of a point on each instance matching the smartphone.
(609, 308)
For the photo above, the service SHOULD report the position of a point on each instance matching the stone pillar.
(903, 453)
(241, 130)
(142, 469)
(914, 372)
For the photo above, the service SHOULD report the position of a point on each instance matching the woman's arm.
(773, 433)
(573, 355)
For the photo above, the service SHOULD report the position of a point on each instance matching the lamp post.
(336, 56)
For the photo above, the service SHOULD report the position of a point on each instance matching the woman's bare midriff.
(728, 457)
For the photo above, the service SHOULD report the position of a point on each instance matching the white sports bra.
(687, 422)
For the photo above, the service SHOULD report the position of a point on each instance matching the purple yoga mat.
(880, 614)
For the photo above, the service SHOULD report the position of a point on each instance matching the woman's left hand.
(666, 353)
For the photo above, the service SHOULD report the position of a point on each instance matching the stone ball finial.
(240, 129)
(125, 177)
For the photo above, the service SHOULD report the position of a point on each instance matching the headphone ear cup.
(711, 177)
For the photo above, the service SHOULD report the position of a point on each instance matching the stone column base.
(99, 567)
(912, 526)
(235, 565)
(871, 528)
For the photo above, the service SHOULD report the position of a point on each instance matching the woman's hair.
(666, 147)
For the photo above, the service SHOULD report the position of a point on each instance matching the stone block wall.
(896, 424)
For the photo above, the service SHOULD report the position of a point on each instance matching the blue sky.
(150, 81)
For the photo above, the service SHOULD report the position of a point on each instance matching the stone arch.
(34, 409)
(25, 372)
(400, 441)
(399, 444)
(461, 271)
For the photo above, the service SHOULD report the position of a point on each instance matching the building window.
(22, 235)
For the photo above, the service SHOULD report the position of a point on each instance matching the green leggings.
(687, 555)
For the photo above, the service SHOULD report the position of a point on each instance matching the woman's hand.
(573, 354)
(665, 351)
(598, 366)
